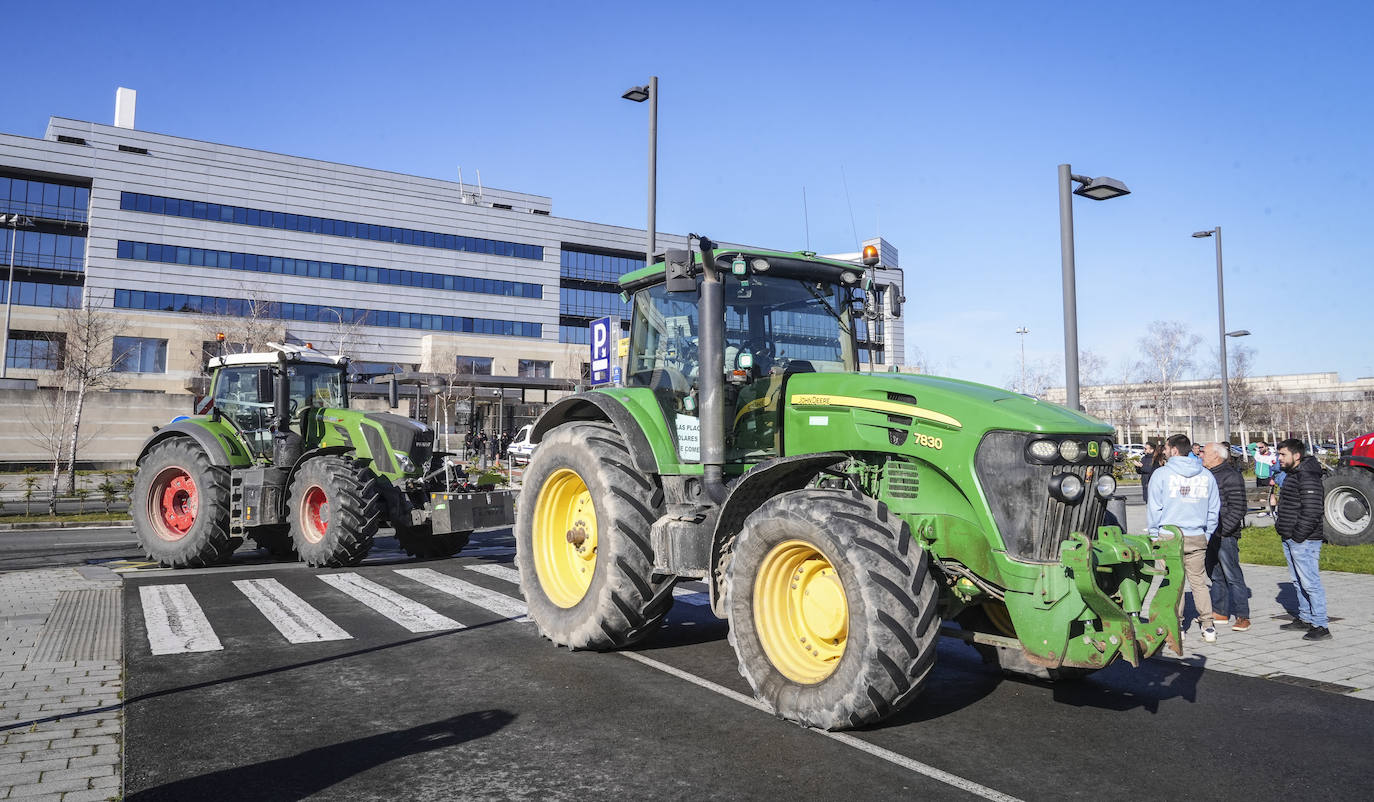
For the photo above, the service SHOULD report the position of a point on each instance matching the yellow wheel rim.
(565, 538)
(800, 612)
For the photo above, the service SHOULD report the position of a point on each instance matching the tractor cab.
(245, 388)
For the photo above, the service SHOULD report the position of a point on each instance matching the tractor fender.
(599, 406)
(764, 481)
(223, 451)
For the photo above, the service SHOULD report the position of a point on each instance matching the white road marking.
(297, 621)
(498, 603)
(412, 615)
(502, 572)
(175, 623)
(489, 551)
(101, 543)
(694, 597)
(849, 740)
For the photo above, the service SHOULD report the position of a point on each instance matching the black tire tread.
(355, 511)
(209, 541)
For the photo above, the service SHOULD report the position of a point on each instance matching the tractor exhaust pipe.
(712, 353)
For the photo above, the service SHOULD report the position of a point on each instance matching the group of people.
(1200, 491)
(486, 447)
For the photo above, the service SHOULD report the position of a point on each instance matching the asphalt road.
(492, 710)
(47, 548)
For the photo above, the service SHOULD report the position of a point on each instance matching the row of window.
(39, 293)
(481, 366)
(277, 310)
(574, 263)
(35, 350)
(590, 303)
(43, 250)
(44, 199)
(223, 213)
(174, 254)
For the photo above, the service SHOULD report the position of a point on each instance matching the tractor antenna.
(853, 227)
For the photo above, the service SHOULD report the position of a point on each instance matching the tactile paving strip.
(84, 626)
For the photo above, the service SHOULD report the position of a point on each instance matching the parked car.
(521, 448)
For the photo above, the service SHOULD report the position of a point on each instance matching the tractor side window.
(236, 398)
(663, 357)
(317, 386)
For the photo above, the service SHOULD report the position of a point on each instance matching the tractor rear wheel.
(582, 541)
(334, 509)
(420, 541)
(1348, 507)
(832, 608)
(181, 506)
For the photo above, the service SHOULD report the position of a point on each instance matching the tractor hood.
(389, 435)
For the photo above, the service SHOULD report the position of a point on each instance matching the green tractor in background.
(837, 517)
(280, 458)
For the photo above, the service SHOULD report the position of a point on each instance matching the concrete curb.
(66, 524)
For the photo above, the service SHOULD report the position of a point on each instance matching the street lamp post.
(639, 94)
(14, 221)
(1222, 334)
(1100, 188)
(1023, 331)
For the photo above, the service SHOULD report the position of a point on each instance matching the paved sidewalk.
(60, 721)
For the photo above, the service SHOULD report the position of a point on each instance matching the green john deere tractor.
(282, 459)
(838, 518)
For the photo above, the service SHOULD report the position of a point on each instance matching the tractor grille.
(1033, 523)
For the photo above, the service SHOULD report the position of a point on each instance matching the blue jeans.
(1307, 581)
(1229, 593)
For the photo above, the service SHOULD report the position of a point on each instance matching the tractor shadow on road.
(314, 770)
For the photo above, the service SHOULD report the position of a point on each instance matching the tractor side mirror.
(393, 393)
(677, 267)
(266, 389)
(895, 299)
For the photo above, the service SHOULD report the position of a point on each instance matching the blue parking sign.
(603, 340)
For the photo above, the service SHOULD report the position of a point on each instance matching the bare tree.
(49, 429)
(346, 333)
(1244, 397)
(1166, 357)
(242, 333)
(89, 364)
(1041, 375)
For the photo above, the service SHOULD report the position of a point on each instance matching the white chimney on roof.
(125, 100)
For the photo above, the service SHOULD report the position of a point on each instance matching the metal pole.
(652, 243)
(1070, 290)
(1221, 327)
(9, 294)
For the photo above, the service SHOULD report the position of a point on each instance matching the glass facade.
(590, 303)
(35, 350)
(588, 289)
(535, 368)
(140, 355)
(223, 213)
(320, 313)
(44, 199)
(39, 293)
(201, 257)
(474, 365)
(589, 266)
(43, 250)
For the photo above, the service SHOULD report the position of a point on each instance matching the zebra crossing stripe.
(297, 621)
(502, 572)
(174, 621)
(412, 615)
(696, 598)
(498, 603)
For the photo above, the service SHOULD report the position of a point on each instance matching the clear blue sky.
(948, 118)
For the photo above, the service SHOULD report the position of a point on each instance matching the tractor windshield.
(316, 386)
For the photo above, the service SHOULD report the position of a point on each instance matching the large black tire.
(598, 589)
(420, 541)
(1348, 507)
(181, 506)
(275, 539)
(889, 595)
(334, 510)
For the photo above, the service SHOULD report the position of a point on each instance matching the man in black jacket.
(1299, 522)
(1230, 596)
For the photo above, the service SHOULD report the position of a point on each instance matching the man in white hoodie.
(1184, 494)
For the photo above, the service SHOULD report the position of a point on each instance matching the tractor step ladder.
(235, 505)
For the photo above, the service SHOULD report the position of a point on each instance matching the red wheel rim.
(172, 500)
(315, 514)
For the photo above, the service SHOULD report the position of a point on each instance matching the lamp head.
(1102, 188)
(638, 94)
(870, 257)
(1202, 234)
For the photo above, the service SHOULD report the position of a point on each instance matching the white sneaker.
(1210, 634)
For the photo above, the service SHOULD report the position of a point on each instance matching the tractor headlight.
(1106, 485)
(1042, 450)
(1071, 450)
(1067, 487)
(1107, 450)
(403, 459)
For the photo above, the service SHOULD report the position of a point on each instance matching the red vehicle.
(1348, 506)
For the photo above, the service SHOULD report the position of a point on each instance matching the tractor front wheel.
(1348, 507)
(335, 509)
(832, 608)
(181, 506)
(582, 541)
